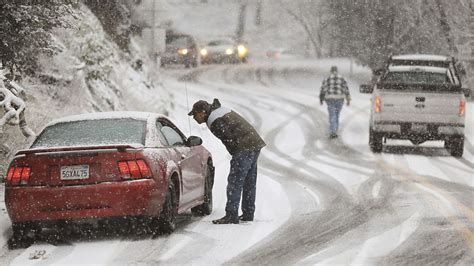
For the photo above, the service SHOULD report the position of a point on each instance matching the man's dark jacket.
(233, 130)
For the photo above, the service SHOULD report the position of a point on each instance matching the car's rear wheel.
(167, 220)
(375, 141)
(206, 207)
(455, 146)
(24, 234)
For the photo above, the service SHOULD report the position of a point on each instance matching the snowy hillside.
(89, 74)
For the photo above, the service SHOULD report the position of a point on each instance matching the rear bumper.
(431, 131)
(118, 199)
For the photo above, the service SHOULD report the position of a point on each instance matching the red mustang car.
(105, 165)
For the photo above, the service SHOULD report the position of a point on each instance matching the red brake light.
(16, 175)
(124, 170)
(144, 170)
(25, 175)
(10, 174)
(462, 108)
(134, 170)
(378, 104)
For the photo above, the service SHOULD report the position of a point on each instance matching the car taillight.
(144, 170)
(378, 104)
(134, 169)
(462, 108)
(18, 175)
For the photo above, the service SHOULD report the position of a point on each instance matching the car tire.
(167, 220)
(206, 207)
(24, 234)
(375, 141)
(455, 146)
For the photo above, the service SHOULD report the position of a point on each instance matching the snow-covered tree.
(14, 108)
(25, 30)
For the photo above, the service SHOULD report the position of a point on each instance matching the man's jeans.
(334, 109)
(242, 180)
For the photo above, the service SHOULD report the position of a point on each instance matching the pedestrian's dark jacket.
(233, 130)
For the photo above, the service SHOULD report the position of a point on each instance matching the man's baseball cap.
(200, 106)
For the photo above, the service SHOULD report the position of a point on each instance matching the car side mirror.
(366, 88)
(467, 92)
(193, 141)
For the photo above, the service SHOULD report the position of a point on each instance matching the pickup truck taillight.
(462, 108)
(134, 169)
(18, 176)
(378, 104)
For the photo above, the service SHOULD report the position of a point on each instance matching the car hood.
(220, 48)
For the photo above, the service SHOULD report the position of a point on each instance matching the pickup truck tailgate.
(420, 107)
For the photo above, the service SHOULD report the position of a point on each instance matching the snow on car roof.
(421, 57)
(106, 115)
(417, 68)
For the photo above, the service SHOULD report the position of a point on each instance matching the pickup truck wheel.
(455, 146)
(375, 141)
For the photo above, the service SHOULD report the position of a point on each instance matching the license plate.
(418, 128)
(74, 172)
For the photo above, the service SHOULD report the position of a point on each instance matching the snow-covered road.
(319, 201)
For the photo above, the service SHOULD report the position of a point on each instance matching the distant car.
(417, 103)
(108, 165)
(180, 49)
(224, 51)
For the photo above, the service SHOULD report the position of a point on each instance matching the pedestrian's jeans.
(334, 109)
(242, 180)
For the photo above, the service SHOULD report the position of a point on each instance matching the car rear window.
(417, 78)
(92, 133)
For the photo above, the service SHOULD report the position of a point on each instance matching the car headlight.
(203, 52)
(183, 51)
(229, 51)
(242, 50)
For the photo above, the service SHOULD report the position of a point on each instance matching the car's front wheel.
(375, 141)
(206, 207)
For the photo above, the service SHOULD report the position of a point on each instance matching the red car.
(105, 165)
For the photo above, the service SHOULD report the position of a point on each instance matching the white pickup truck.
(418, 103)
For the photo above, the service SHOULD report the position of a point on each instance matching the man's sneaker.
(245, 218)
(226, 220)
(332, 135)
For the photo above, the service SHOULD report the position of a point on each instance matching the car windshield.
(179, 42)
(92, 133)
(428, 78)
(220, 42)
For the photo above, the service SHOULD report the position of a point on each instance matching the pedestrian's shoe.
(332, 135)
(245, 218)
(227, 220)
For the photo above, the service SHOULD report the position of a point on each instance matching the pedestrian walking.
(244, 144)
(333, 91)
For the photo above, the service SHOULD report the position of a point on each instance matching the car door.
(189, 162)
